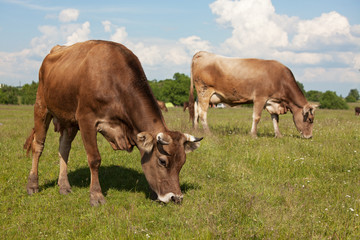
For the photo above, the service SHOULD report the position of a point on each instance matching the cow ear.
(313, 107)
(191, 143)
(310, 109)
(306, 109)
(145, 141)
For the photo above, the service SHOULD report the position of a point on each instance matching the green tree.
(180, 89)
(330, 100)
(301, 86)
(313, 95)
(353, 96)
(175, 90)
(28, 93)
(9, 95)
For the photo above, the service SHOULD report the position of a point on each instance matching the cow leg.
(88, 135)
(42, 120)
(275, 120)
(67, 136)
(258, 107)
(202, 111)
(196, 115)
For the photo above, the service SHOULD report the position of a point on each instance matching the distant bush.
(28, 93)
(330, 100)
(9, 95)
(301, 86)
(350, 98)
(174, 90)
(353, 96)
(17, 95)
(313, 95)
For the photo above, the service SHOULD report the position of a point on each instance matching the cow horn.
(191, 138)
(163, 139)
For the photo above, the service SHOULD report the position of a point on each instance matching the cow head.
(304, 120)
(162, 157)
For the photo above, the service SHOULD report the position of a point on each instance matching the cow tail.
(28, 142)
(191, 95)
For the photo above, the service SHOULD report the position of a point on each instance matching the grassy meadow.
(235, 186)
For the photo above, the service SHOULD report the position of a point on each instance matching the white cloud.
(107, 25)
(68, 15)
(41, 45)
(25, 64)
(329, 29)
(80, 35)
(162, 53)
(258, 31)
(356, 62)
(302, 57)
(120, 35)
(195, 44)
(14, 66)
(177, 56)
(320, 74)
(254, 29)
(355, 30)
(149, 55)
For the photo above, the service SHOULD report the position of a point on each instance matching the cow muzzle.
(171, 196)
(306, 136)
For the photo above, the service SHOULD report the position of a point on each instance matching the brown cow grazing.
(100, 86)
(357, 111)
(162, 105)
(234, 81)
(185, 106)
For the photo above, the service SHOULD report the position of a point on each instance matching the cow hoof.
(32, 190)
(207, 131)
(177, 199)
(97, 199)
(32, 185)
(64, 187)
(64, 191)
(253, 135)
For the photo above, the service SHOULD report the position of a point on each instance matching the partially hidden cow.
(185, 106)
(265, 83)
(100, 87)
(357, 111)
(162, 105)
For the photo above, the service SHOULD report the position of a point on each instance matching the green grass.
(235, 187)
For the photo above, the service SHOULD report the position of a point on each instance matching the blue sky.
(318, 40)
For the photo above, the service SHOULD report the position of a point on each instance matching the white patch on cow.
(166, 198)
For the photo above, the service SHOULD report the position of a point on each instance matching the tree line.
(18, 95)
(176, 91)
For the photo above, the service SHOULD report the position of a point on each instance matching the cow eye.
(162, 162)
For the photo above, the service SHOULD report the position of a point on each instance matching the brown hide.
(185, 106)
(100, 86)
(266, 83)
(357, 111)
(162, 105)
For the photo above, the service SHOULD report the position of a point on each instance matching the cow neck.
(148, 118)
(144, 113)
(298, 102)
(297, 98)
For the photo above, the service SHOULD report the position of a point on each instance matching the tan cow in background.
(266, 83)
